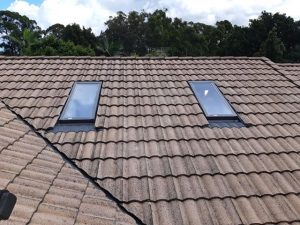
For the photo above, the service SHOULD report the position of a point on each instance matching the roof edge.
(288, 64)
(135, 58)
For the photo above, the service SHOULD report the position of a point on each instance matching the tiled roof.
(292, 71)
(48, 189)
(155, 152)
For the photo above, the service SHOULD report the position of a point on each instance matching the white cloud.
(237, 11)
(89, 13)
(24, 7)
(93, 13)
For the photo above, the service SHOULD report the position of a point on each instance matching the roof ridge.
(136, 58)
(71, 163)
(288, 64)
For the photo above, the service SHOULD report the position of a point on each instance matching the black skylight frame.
(217, 120)
(81, 120)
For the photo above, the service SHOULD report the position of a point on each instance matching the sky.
(94, 13)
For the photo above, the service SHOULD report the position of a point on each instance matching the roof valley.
(73, 165)
(280, 70)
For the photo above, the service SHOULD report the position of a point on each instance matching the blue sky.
(4, 4)
(94, 13)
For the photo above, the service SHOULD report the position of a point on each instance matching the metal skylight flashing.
(215, 106)
(82, 102)
(80, 111)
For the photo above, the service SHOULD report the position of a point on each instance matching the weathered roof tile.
(155, 152)
(48, 190)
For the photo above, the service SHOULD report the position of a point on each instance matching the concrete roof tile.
(48, 190)
(155, 152)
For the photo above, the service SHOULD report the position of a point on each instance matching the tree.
(272, 47)
(235, 43)
(137, 31)
(276, 36)
(108, 47)
(28, 42)
(12, 27)
(56, 30)
(159, 29)
(294, 54)
(186, 39)
(259, 30)
(84, 37)
(50, 45)
(117, 30)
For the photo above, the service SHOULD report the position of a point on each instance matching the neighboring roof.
(154, 151)
(48, 189)
(292, 71)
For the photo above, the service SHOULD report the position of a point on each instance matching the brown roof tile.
(292, 71)
(48, 190)
(154, 152)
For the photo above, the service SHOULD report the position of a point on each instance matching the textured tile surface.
(155, 152)
(292, 70)
(48, 189)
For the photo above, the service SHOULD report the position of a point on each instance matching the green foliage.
(56, 30)
(78, 35)
(287, 30)
(12, 28)
(127, 32)
(275, 36)
(51, 46)
(109, 48)
(186, 40)
(29, 40)
(160, 29)
(272, 47)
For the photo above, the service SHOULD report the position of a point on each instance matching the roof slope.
(155, 152)
(292, 71)
(48, 189)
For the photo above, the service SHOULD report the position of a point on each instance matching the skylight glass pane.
(211, 99)
(82, 102)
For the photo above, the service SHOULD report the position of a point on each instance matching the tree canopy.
(276, 36)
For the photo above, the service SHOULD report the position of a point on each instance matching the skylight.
(214, 105)
(82, 102)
